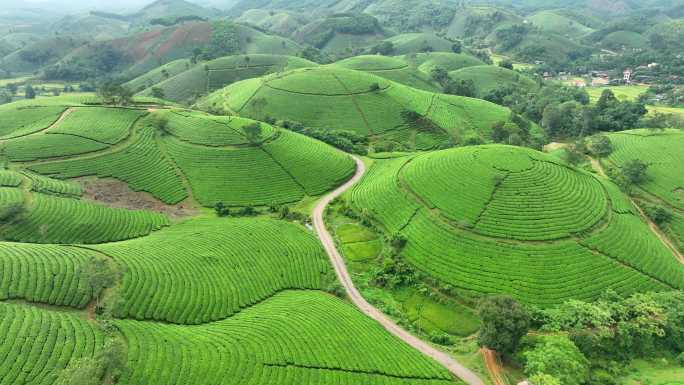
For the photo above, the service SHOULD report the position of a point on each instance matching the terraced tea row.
(104, 125)
(40, 218)
(37, 344)
(47, 274)
(333, 98)
(18, 121)
(552, 201)
(229, 265)
(220, 164)
(188, 84)
(572, 235)
(295, 337)
(665, 176)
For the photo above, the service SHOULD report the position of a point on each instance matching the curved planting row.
(142, 165)
(46, 146)
(20, 121)
(47, 185)
(544, 274)
(37, 344)
(550, 202)
(48, 219)
(105, 125)
(214, 131)
(45, 273)
(297, 338)
(227, 266)
(313, 164)
(10, 178)
(430, 198)
(662, 152)
(513, 196)
(234, 176)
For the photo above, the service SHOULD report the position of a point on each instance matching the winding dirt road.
(337, 261)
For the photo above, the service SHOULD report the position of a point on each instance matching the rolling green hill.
(341, 32)
(488, 78)
(446, 60)
(284, 23)
(39, 54)
(419, 42)
(498, 219)
(198, 155)
(552, 22)
(396, 69)
(338, 99)
(210, 76)
(480, 21)
(664, 184)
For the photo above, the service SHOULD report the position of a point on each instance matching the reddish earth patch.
(186, 34)
(493, 366)
(114, 193)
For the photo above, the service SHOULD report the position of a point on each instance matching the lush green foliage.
(229, 265)
(104, 125)
(292, 338)
(336, 99)
(429, 201)
(49, 219)
(37, 344)
(20, 121)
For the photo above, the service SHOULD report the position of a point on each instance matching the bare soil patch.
(117, 194)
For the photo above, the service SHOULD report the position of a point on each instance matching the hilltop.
(331, 98)
(499, 219)
(183, 82)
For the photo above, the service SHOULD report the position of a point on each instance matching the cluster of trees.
(347, 141)
(349, 23)
(565, 112)
(115, 94)
(102, 61)
(225, 40)
(224, 211)
(167, 22)
(584, 342)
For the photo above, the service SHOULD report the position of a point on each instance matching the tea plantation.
(332, 98)
(499, 219)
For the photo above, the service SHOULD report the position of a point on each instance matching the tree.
(374, 87)
(659, 215)
(544, 379)
(506, 64)
(30, 92)
(115, 94)
(158, 92)
(557, 356)
(385, 48)
(12, 88)
(100, 274)
(504, 323)
(600, 146)
(440, 75)
(460, 88)
(221, 209)
(635, 171)
(253, 132)
(457, 47)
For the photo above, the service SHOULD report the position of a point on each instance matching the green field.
(553, 22)
(338, 99)
(454, 207)
(419, 42)
(630, 93)
(196, 155)
(664, 184)
(396, 69)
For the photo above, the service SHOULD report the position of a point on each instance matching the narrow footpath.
(337, 261)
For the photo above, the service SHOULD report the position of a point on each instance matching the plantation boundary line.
(184, 179)
(112, 149)
(349, 93)
(59, 120)
(285, 170)
(357, 299)
(356, 104)
(366, 372)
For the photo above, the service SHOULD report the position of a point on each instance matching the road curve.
(337, 261)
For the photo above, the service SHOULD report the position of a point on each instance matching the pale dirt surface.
(493, 367)
(337, 261)
(553, 146)
(117, 194)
